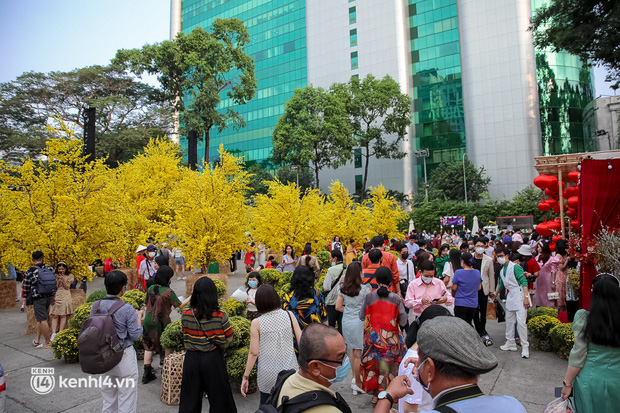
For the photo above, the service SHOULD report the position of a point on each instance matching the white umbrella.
(475, 227)
(411, 226)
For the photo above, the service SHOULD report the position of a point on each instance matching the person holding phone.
(426, 290)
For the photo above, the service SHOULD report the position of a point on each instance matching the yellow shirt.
(297, 384)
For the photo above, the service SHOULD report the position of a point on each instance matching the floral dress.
(307, 310)
(384, 344)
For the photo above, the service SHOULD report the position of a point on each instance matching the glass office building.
(277, 30)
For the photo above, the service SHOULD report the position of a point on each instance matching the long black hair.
(383, 275)
(204, 298)
(603, 323)
(429, 313)
(307, 252)
(455, 259)
(161, 279)
(302, 283)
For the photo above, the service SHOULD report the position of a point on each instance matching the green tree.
(128, 112)
(587, 28)
(257, 180)
(289, 174)
(376, 108)
(199, 69)
(446, 181)
(313, 130)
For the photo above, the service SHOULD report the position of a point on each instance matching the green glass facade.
(278, 46)
(564, 89)
(438, 116)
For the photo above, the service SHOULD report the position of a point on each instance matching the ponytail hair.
(468, 259)
(307, 252)
(383, 276)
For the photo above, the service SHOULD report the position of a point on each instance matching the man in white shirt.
(406, 271)
(147, 266)
(412, 247)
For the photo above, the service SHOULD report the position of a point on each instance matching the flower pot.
(72, 359)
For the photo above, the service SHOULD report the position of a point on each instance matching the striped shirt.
(368, 276)
(216, 331)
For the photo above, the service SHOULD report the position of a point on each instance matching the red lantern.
(544, 181)
(543, 229)
(556, 208)
(544, 206)
(574, 175)
(573, 202)
(552, 247)
(571, 191)
(574, 225)
(554, 226)
(553, 203)
(556, 238)
(572, 213)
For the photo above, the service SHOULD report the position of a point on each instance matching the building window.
(352, 15)
(353, 37)
(354, 64)
(357, 157)
(358, 183)
(357, 76)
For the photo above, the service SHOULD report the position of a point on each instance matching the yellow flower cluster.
(65, 343)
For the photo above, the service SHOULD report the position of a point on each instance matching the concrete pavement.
(532, 381)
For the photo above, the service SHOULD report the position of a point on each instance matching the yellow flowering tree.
(349, 220)
(59, 204)
(209, 216)
(286, 216)
(144, 185)
(385, 213)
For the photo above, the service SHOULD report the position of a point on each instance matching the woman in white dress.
(271, 337)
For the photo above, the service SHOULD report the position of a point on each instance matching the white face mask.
(501, 260)
(426, 280)
(479, 250)
(151, 254)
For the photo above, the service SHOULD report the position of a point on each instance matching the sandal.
(35, 343)
(43, 345)
(23, 309)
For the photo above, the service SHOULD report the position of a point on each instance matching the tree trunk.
(316, 175)
(207, 142)
(363, 193)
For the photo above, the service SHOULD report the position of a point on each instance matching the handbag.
(553, 296)
(491, 314)
(499, 311)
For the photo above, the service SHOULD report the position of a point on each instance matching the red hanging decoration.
(572, 213)
(553, 203)
(556, 208)
(543, 229)
(574, 175)
(544, 206)
(556, 238)
(544, 181)
(554, 226)
(570, 191)
(575, 225)
(573, 202)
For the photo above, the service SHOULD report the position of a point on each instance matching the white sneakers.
(525, 352)
(509, 347)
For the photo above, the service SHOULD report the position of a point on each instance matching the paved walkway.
(531, 381)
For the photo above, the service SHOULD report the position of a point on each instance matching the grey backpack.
(46, 284)
(99, 347)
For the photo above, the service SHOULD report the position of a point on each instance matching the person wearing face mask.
(252, 283)
(426, 291)
(322, 361)
(465, 286)
(334, 278)
(450, 360)
(512, 278)
(484, 264)
(383, 314)
(147, 266)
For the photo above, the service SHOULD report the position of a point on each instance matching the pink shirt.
(418, 290)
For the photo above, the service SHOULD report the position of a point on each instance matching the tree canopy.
(313, 130)
(376, 109)
(129, 112)
(587, 28)
(205, 73)
(446, 182)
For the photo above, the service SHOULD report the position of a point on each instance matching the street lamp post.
(423, 153)
(464, 178)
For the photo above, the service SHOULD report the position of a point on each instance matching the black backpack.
(301, 402)
(46, 284)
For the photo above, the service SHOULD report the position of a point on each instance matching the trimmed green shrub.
(235, 365)
(535, 312)
(80, 315)
(270, 276)
(562, 339)
(129, 300)
(172, 337)
(241, 335)
(539, 328)
(136, 295)
(96, 295)
(285, 278)
(232, 307)
(323, 258)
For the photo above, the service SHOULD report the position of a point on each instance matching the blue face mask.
(341, 371)
(252, 284)
(424, 386)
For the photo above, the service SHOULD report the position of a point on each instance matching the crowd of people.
(405, 318)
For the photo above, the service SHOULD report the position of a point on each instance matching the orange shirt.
(387, 261)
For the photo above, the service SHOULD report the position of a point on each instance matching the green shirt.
(519, 275)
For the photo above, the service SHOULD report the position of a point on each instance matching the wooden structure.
(560, 165)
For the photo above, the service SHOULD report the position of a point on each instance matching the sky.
(50, 35)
